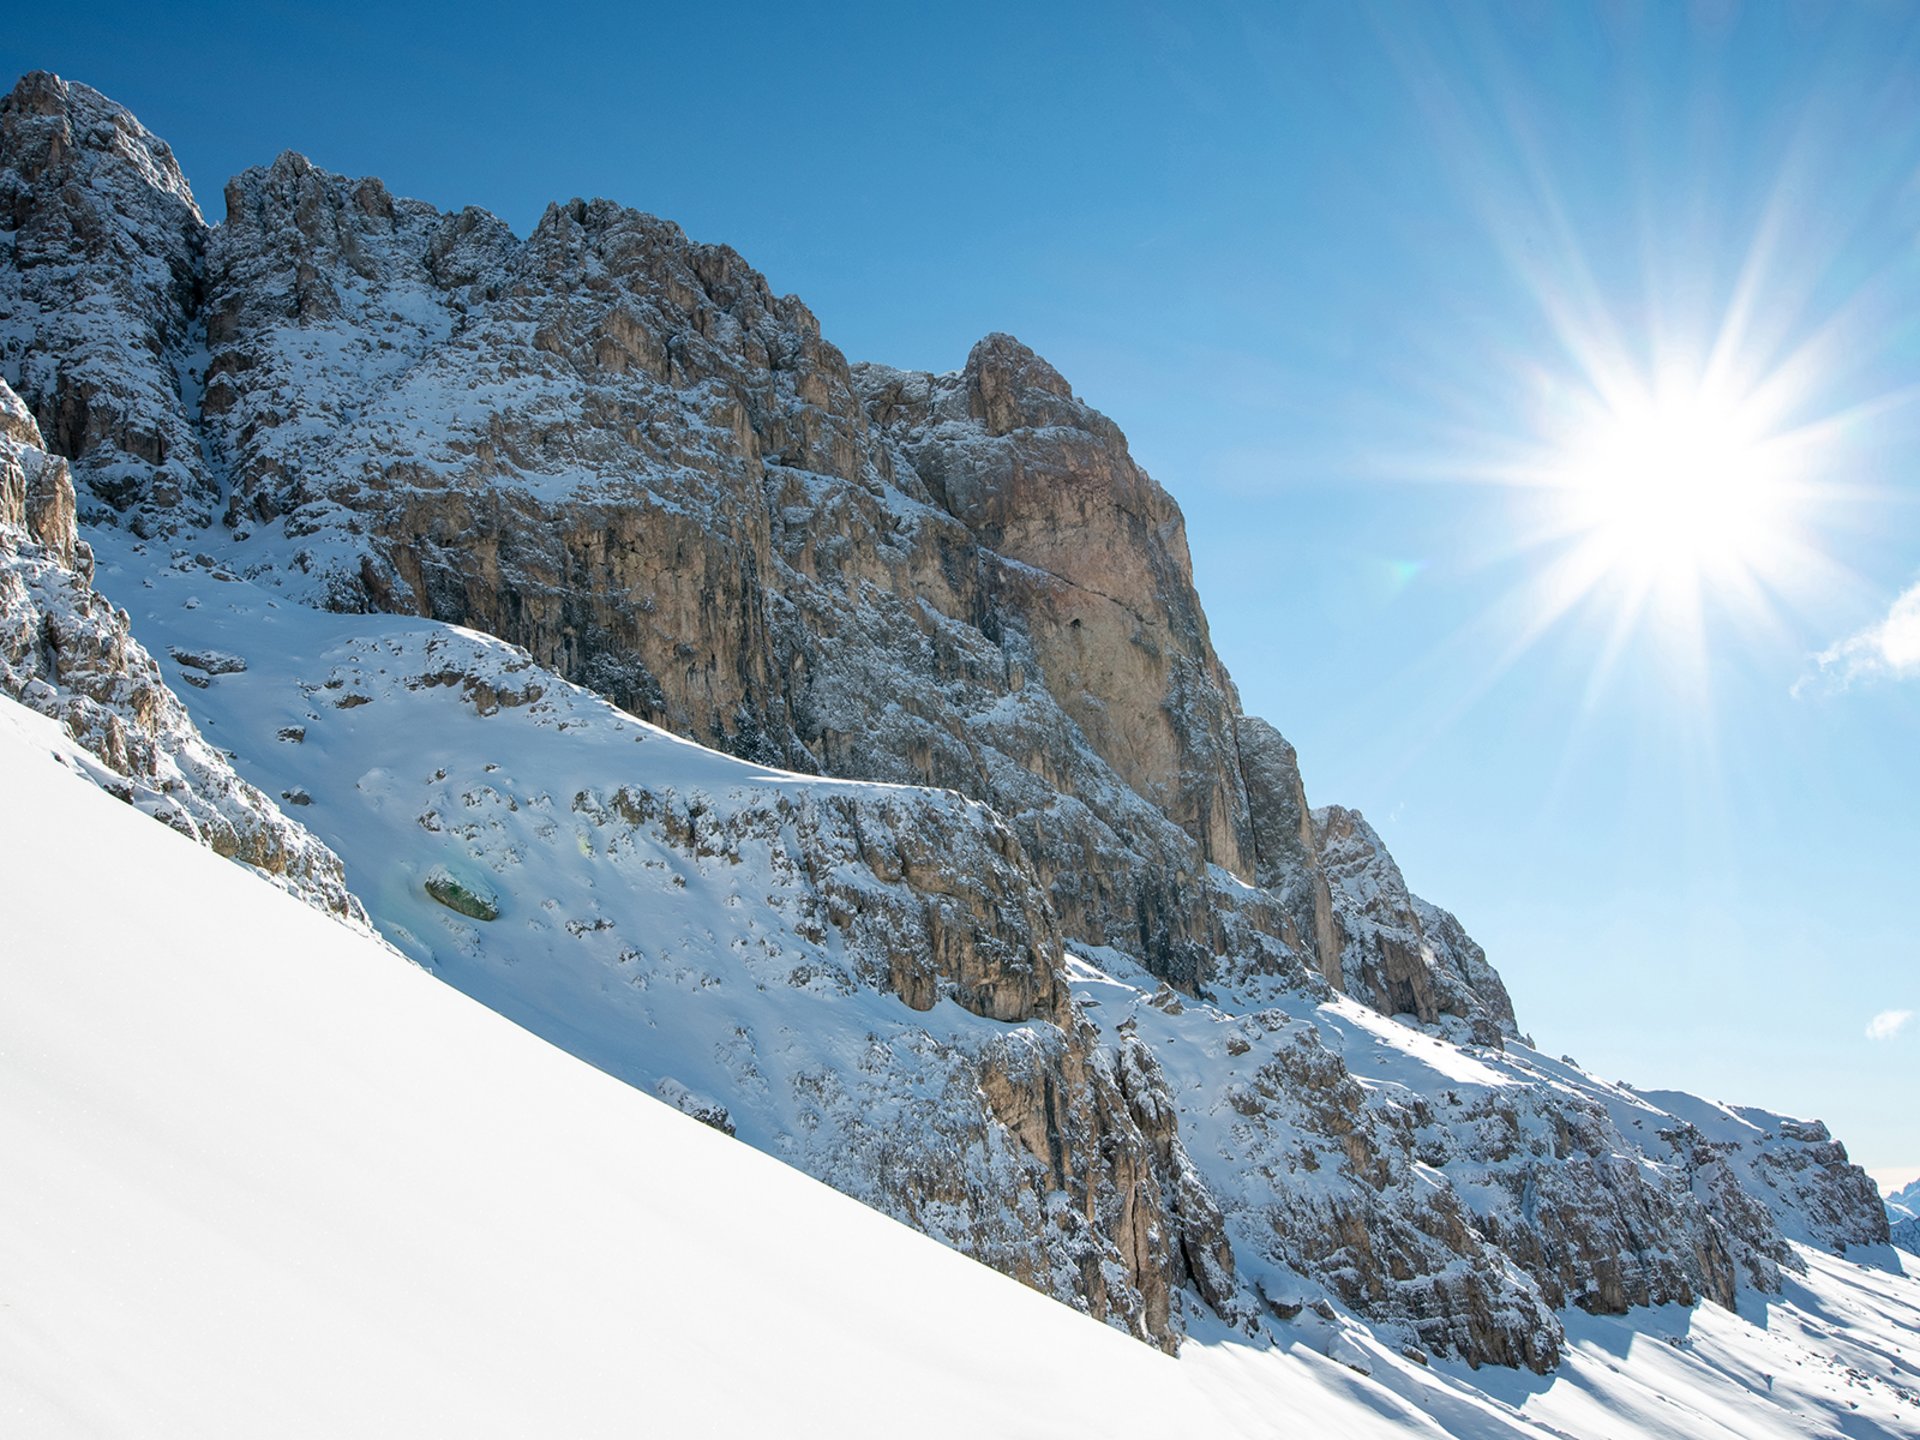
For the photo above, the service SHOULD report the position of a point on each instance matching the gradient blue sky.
(1335, 270)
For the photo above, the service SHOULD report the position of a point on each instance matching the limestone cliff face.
(1093, 567)
(616, 448)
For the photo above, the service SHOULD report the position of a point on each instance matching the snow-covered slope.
(705, 929)
(264, 1177)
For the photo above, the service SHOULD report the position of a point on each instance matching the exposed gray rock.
(1398, 953)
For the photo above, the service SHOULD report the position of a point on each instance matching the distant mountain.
(835, 752)
(1903, 1217)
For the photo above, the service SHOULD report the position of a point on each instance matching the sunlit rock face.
(616, 448)
(1398, 953)
(1092, 566)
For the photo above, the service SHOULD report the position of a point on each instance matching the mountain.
(835, 752)
(1903, 1217)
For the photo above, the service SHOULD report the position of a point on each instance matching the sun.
(1670, 515)
(1674, 490)
(1670, 501)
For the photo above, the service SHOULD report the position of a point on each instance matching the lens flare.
(1676, 492)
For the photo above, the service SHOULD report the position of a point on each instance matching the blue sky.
(1343, 274)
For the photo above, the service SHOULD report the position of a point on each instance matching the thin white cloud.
(1887, 1024)
(1887, 649)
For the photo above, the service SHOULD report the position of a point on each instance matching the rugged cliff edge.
(66, 652)
(615, 448)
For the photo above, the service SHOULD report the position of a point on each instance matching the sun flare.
(1672, 491)
(1675, 507)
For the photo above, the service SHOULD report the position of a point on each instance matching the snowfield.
(265, 1176)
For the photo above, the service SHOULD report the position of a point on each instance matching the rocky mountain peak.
(51, 127)
(1011, 388)
(97, 297)
(313, 247)
(292, 176)
(1355, 858)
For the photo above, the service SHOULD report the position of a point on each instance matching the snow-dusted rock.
(1793, 1169)
(100, 265)
(66, 652)
(1398, 953)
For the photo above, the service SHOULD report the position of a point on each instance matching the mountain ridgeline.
(615, 449)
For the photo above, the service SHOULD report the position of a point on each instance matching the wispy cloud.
(1886, 649)
(1887, 1024)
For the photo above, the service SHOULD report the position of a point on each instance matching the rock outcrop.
(616, 448)
(1398, 953)
(66, 652)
